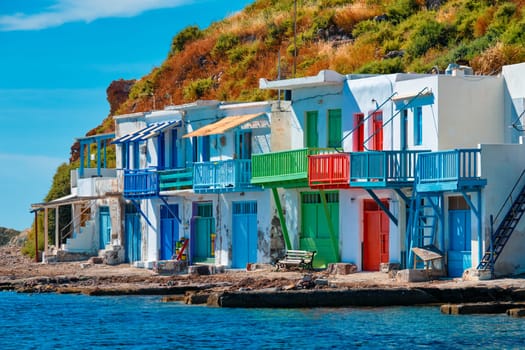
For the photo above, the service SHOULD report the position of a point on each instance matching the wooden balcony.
(176, 179)
(329, 171)
(232, 175)
(452, 170)
(141, 183)
(383, 169)
(286, 169)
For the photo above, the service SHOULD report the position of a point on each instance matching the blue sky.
(57, 59)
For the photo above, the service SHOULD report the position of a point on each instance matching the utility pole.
(294, 38)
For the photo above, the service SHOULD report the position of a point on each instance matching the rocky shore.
(262, 287)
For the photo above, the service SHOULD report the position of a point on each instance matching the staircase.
(505, 229)
(423, 221)
(82, 241)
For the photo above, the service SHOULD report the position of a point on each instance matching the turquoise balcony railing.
(449, 170)
(284, 168)
(383, 168)
(175, 179)
(140, 183)
(232, 175)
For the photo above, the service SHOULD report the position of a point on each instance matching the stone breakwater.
(244, 293)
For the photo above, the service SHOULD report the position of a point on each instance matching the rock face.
(117, 93)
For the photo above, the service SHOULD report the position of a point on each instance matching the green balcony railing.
(284, 168)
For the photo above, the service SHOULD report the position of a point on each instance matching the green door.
(315, 229)
(202, 241)
(312, 139)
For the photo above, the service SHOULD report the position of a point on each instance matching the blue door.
(169, 231)
(104, 227)
(459, 254)
(244, 233)
(133, 236)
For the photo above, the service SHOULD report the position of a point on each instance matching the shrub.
(197, 89)
(188, 34)
(426, 35)
(401, 9)
(224, 43)
(394, 65)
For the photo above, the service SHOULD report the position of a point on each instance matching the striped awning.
(148, 132)
(225, 124)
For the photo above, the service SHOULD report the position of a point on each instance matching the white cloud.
(64, 11)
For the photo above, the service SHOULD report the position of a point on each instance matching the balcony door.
(311, 136)
(243, 145)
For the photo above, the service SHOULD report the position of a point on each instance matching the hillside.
(226, 60)
(6, 234)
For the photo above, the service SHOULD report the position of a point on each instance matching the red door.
(375, 241)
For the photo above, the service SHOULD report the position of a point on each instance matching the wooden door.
(133, 235)
(169, 231)
(459, 254)
(104, 227)
(375, 236)
(244, 233)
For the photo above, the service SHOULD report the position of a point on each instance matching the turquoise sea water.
(51, 321)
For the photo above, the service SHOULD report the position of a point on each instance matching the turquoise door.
(459, 254)
(169, 231)
(244, 233)
(133, 236)
(104, 227)
(202, 241)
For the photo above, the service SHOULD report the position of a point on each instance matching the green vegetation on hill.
(6, 234)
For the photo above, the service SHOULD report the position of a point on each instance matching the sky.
(57, 57)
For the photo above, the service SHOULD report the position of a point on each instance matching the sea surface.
(52, 321)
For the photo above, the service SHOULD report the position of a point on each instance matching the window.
(311, 129)
(201, 149)
(174, 154)
(244, 145)
(377, 131)
(404, 121)
(124, 148)
(418, 126)
(136, 155)
(161, 152)
(358, 137)
(334, 128)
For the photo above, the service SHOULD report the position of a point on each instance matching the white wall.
(514, 92)
(223, 251)
(470, 111)
(502, 165)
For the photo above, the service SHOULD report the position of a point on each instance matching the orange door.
(375, 241)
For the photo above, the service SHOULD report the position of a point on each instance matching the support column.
(281, 219)
(36, 235)
(46, 230)
(57, 228)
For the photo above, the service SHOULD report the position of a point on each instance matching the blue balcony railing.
(382, 168)
(449, 170)
(140, 183)
(232, 175)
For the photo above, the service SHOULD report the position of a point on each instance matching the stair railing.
(70, 224)
(378, 108)
(509, 201)
(509, 198)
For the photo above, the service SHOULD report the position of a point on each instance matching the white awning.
(148, 132)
